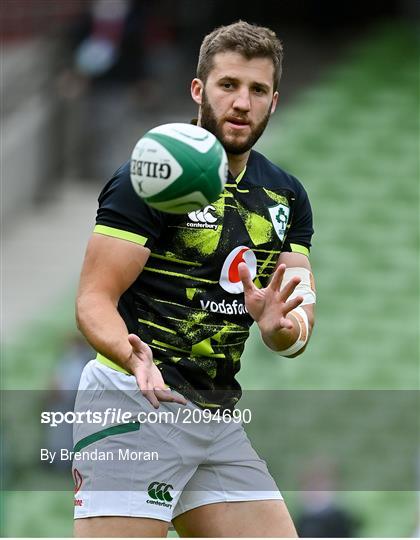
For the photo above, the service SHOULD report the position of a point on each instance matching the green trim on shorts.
(107, 432)
(118, 233)
(297, 248)
(109, 363)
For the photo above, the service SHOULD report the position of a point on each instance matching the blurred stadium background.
(83, 80)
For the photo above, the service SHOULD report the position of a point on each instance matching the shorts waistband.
(109, 363)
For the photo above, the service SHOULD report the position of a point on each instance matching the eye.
(259, 90)
(227, 85)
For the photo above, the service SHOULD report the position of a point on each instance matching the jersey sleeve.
(301, 229)
(123, 214)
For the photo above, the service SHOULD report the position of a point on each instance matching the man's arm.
(272, 307)
(111, 265)
(297, 260)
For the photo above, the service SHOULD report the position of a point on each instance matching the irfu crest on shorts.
(279, 216)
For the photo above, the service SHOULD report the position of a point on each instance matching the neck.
(237, 162)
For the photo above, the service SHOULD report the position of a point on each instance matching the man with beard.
(168, 305)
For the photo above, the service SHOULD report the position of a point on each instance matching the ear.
(197, 90)
(274, 102)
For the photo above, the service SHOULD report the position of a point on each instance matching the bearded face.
(235, 130)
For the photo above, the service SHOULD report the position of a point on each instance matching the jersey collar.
(242, 173)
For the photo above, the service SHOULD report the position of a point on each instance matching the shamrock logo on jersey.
(282, 219)
(279, 217)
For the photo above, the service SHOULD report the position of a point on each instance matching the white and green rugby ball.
(178, 168)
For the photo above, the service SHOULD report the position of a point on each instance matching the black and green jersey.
(188, 302)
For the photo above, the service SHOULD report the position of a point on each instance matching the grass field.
(353, 141)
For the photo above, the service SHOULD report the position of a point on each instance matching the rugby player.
(167, 302)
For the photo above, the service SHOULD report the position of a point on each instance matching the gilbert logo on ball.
(229, 276)
(178, 168)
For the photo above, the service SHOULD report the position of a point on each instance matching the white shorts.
(157, 469)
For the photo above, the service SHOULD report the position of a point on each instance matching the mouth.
(237, 123)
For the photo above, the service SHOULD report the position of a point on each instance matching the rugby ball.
(178, 168)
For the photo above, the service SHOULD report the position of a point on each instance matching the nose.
(242, 101)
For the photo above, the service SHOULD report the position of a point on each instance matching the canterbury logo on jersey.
(203, 219)
(229, 276)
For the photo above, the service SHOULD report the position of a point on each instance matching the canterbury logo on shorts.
(160, 491)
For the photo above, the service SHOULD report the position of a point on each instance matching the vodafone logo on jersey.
(229, 276)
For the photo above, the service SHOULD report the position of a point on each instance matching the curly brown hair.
(250, 40)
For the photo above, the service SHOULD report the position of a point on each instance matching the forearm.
(101, 324)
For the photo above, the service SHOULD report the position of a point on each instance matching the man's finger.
(245, 277)
(292, 304)
(277, 277)
(288, 289)
(136, 343)
(151, 397)
(147, 391)
(167, 395)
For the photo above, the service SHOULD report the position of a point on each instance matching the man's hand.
(269, 307)
(148, 376)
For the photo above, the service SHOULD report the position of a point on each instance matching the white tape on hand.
(302, 319)
(305, 288)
